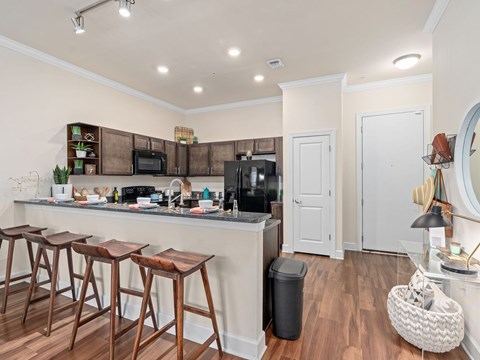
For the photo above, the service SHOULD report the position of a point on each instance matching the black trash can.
(287, 277)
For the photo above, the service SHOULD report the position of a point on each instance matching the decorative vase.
(62, 189)
(77, 137)
(81, 154)
(77, 171)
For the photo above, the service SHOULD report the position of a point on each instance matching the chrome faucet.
(170, 200)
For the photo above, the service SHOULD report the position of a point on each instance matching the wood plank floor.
(344, 317)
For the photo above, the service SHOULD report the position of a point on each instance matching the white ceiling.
(191, 37)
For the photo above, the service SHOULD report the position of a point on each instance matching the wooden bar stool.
(11, 235)
(56, 243)
(176, 265)
(110, 252)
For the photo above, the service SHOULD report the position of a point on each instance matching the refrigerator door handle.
(240, 205)
(237, 183)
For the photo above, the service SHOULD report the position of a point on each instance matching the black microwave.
(147, 162)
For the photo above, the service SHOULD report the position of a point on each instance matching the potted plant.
(60, 178)
(182, 139)
(195, 139)
(76, 133)
(77, 167)
(81, 149)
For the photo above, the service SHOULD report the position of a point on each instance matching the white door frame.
(331, 133)
(359, 116)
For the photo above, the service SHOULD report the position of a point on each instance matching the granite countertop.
(243, 217)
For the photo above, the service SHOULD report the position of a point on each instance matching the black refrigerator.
(252, 183)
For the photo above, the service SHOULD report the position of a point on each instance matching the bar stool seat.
(111, 252)
(56, 243)
(176, 265)
(11, 235)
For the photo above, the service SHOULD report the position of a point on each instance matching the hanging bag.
(440, 199)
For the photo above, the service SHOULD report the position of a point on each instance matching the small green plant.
(195, 139)
(182, 138)
(80, 146)
(76, 130)
(78, 164)
(60, 176)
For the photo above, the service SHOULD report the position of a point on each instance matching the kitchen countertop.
(243, 217)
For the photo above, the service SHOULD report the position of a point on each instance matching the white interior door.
(392, 147)
(311, 194)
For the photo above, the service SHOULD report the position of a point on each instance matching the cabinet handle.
(131, 169)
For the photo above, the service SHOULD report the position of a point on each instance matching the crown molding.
(435, 15)
(234, 105)
(387, 83)
(313, 81)
(64, 65)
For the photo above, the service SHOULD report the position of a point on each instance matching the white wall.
(37, 100)
(386, 98)
(456, 73)
(306, 109)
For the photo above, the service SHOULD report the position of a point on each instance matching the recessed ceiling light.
(162, 69)
(198, 89)
(124, 7)
(234, 52)
(406, 61)
(259, 78)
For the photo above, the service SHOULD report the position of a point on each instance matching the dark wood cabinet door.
(182, 159)
(219, 153)
(157, 145)
(141, 142)
(279, 155)
(244, 145)
(277, 213)
(171, 151)
(266, 145)
(117, 149)
(199, 160)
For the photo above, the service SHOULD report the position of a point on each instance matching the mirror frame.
(462, 164)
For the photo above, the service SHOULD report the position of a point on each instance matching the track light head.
(125, 7)
(78, 25)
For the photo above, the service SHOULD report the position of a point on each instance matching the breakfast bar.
(243, 246)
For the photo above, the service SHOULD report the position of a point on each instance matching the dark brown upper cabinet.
(263, 146)
(279, 155)
(219, 153)
(117, 149)
(141, 142)
(245, 145)
(199, 160)
(177, 158)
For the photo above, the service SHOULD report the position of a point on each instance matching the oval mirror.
(467, 164)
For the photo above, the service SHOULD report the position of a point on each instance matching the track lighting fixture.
(78, 25)
(124, 8)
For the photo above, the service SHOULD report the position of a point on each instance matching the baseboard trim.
(471, 346)
(232, 344)
(286, 248)
(14, 275)
(339, 255)
(350, 246)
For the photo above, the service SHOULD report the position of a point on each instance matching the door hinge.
(329, 236)
(329, 192)
(330, 148)
(361, 129)
(362, 202)
(362, 239)
(361, 165)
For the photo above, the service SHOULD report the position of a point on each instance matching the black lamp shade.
(431, 219)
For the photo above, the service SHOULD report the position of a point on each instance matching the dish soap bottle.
(206, 193)
(115, 195)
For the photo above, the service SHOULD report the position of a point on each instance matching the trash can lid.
(288, 269)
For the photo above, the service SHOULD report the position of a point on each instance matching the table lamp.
(434, 218)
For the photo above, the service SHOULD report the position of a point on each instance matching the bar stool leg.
(30, 254)
(150, 302)
(93, 281)
(70, 270)
(143, 311)
(206, 286)
(119, 299)
(83, 294)
(179, 316)
(32, 283)
(53, 289)
(47, 264)
(11, 246)
(174, 282)
(113, 298)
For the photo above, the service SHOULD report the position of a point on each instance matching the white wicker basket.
(428, 330)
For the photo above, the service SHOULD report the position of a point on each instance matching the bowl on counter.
(205, 204)
(95, 197)
(143, 200)
(60, 196)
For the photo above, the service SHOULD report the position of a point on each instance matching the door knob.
(297, 201)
